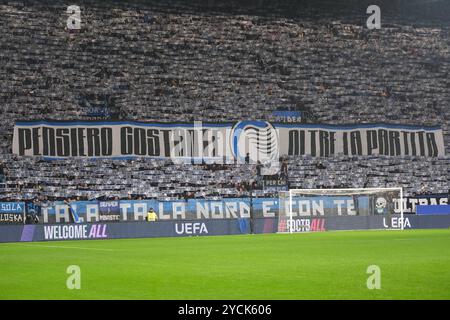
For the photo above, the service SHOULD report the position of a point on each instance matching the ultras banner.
(228, 208)
(12, 212)
(411, 203)
(109, 210)
(256, 140)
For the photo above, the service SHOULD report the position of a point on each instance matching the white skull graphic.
(380, 205)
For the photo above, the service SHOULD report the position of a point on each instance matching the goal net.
(303, 210)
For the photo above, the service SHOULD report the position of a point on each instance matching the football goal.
(340, 209)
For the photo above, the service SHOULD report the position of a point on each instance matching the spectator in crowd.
(284, 168)
(259, 167)
(247, 158)
(2, 174)
(31, 219)
(343, 95)
(320, 165)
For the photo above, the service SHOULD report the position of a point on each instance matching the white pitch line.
(62, 247)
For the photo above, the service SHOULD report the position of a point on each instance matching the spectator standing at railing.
(32, 212)
(72, 212)
(247, 158)
(2, 174)
(284, 168)
(151, 215)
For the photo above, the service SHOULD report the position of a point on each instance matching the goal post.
(342, 209)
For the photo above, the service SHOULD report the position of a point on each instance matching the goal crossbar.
(344, 192)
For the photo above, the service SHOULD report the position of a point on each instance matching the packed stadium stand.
(213, 61)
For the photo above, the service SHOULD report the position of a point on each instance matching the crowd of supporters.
(169, 61)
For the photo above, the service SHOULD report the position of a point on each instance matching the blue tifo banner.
(433, 210)
(136, 210)
(11, 212)
(411, 203)
(228, 208)
(12, 207)
(225, 142)
(109, 210)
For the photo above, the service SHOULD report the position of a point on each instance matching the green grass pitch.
(329, 265)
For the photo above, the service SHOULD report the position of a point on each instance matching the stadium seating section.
(171, 61)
